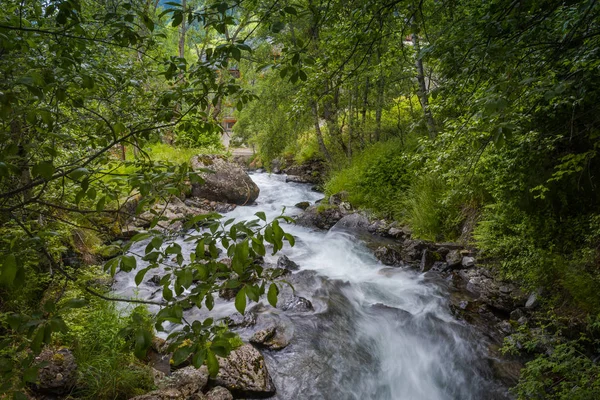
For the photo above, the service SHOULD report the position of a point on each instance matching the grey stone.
(516, 314)
(303, 205)
(227, 182)
(428, 259)
(59, 375)
(388, 256)
(270, 338)
(532, 300)
(468, 262)
(352, 222)
(285, 263)
(454, 258)
(244, 373)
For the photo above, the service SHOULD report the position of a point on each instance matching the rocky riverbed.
(369, 312)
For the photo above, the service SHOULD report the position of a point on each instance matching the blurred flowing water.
(375, 333)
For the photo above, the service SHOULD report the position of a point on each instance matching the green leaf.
(177, 18)
(181, 354)
(261, 215)
(212, 363)
(290, 10)
(128, 263)
(198, 358)
(240, 301)
(272, 294)
(9, 270)
(44, 170)
(78, 173)
(139, 277)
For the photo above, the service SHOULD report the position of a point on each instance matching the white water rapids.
(375, 333)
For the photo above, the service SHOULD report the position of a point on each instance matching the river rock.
(219, 393)
(412, 251)
(490, 293)
(388, 255)
(322, 218)
(244, 373)
(532, 300)
(352, 222)
(59, 375)
(272, 338)
(297, 304)
(454, 258)
(303, 205)
(285, 263)
(428, 259)
(228, 182)
(468, 262)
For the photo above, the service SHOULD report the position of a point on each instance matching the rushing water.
(375, 333)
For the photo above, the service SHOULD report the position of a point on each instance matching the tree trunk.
(422, 88)
(379, 107)
(319, 134)
(182, 31)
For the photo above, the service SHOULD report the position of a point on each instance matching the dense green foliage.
(471, 121)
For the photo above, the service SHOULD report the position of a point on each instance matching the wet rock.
(352, 222)
(428, 259)
(303, 205)
(155, 280)
(237, 320)
(219, 393)
(285, 263)
(320, 217)
(227, 183)
(439, 266)
(388, 255)
(228, 293)
(244, 373)
(272, 338)
(468, 262)
(298, 304)
(454, 258)
(378, 227)
(59, 375)
(158, 356)
(412, 251)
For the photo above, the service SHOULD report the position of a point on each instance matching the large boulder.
(352, 222)
(322, 217)
(58, 374)
(227, 182)
(244, 373)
